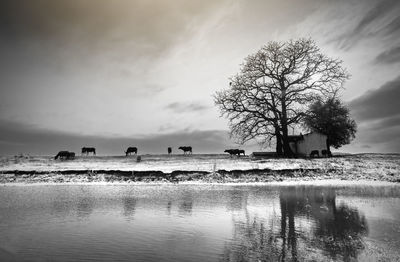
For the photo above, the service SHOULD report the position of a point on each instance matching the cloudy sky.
(142, 72)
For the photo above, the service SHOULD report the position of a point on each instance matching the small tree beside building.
(332, 118)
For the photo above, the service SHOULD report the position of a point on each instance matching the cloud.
(22, 138)
(104, 63)
(382, 141)
(389, 56)
(385, 123)
(387, 139)
(393, 28)
(149, 26)
(373, 14)
(378, 116)
(166, 127)
(378, 104)
(381, 19)
(179, 107)
(118, 41)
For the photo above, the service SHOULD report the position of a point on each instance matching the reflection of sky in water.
(198, 223)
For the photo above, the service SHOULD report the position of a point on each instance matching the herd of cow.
(133, 150)
(71, 155)
(186, 150)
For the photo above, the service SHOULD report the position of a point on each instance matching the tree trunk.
(292, 239)
(328, 147)
(287, 152)
(286, 147)
(278, 136)
(283, 206)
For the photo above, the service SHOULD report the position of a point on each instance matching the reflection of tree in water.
(342, 233)
(252, 241)
(85, 202)
(289, 240)
(129, 206)
(84, 206)
(337, 232)
(62, 207)
(237, 199)
(186, 206)
(169, 205)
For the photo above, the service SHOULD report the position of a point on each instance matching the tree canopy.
(274, 87)
(332, 118)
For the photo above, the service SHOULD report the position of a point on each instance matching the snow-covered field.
(162, 163)
(381, 167)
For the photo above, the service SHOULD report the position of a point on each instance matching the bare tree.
(274, 87)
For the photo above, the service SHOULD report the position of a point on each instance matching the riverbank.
(199, 168)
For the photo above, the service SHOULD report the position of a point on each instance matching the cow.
(65, 155)
(131, 150)
(185, 149)
(87, 150)
(314, 153)
(169, 150)
(235, 152)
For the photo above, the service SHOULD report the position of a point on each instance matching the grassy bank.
(202, 169)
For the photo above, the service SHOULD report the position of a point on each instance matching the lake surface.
(199, 223)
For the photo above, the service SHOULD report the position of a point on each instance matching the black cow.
(65, 155)
(185, 149)
(169, 150)
(235, 152)
(131, 150)
(314, 153)
(87, 150)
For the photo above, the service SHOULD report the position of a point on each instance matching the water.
(199, 223)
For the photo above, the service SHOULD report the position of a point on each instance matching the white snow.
(162, 163)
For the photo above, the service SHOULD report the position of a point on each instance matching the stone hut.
(303, 145)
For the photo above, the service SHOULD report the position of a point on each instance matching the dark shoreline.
(219, 176)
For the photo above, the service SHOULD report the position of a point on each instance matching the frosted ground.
(162, 163)
(207, 168)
